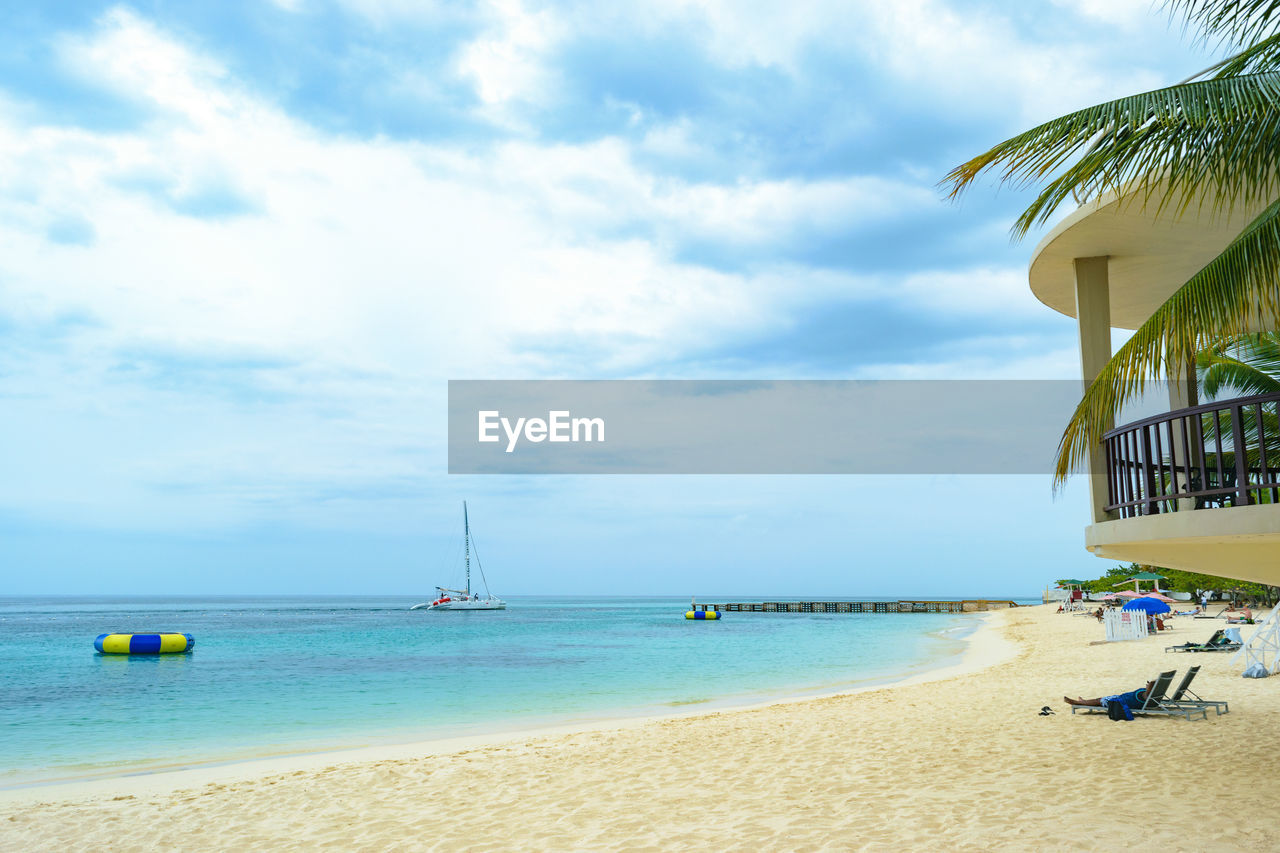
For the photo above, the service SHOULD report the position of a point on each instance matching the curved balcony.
(1219, 454)
(1196, 489)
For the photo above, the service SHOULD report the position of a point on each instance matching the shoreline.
(982, 647)
(960, 756)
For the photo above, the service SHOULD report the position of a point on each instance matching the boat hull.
(468, 605)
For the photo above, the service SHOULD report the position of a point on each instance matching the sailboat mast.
(466, 535)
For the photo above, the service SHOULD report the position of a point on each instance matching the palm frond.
(1257, 58)
(1255, 431)
(1235, 293)
(1236, 21)
(1170, 145)
(1249, 364)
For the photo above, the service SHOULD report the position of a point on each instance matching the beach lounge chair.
(1219, 642)
(1153, 703)
(1184, 696)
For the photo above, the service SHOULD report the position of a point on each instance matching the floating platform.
(144, 644)
(967, 605)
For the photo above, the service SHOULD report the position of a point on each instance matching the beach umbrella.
(1128, 593)
(1147, 605)
(1111, 596)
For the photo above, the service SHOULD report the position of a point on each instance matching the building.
(1169, 490)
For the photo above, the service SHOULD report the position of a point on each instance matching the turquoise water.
(283, 675)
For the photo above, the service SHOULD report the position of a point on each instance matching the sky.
(244, 246)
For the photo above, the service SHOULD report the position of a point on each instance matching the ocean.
(273, 676)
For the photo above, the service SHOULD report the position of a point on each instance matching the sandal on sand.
(1046, 711)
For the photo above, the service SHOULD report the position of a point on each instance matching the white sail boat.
(464, 599)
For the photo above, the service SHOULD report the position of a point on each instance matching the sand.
(955, 760)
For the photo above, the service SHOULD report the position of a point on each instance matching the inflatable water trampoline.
(144, 644)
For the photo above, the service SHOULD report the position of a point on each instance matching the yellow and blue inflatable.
(702, 614)
(144, 644)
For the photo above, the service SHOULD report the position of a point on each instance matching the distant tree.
(1115, 575)
(1177, 580)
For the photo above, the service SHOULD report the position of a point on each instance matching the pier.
(968, 605)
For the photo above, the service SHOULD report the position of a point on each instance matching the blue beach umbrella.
(1147, 605)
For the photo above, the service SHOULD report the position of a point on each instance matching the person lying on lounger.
(1132, 699)
(1242, 617)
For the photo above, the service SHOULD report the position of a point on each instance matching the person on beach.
(1132, 699)
(1243, 617)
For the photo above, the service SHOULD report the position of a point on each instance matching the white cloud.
(941, 51)
(380, 247)
(377, 236)
(397, 262)
(1129, 14)
(505, 63)
(982, 61)
(739, 33)
(370, 270)
(129, 55)
(938, 50)
(981, 291)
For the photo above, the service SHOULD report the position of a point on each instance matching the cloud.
(504, 62)
(292, 235)
(1130, 14)
(129, 56)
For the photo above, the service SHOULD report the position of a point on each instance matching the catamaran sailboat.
(464, 599)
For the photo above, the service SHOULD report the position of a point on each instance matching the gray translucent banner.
(754, 427)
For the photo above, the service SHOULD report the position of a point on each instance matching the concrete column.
(1093, 314)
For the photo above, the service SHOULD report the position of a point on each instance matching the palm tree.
(1217, 133)
(1249, 364)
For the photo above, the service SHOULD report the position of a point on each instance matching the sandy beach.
(958, 759)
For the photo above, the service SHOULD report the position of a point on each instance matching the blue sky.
(247, 243)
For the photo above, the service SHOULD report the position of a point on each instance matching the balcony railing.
(1225, 453)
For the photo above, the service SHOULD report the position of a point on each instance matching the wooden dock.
(968, 605)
